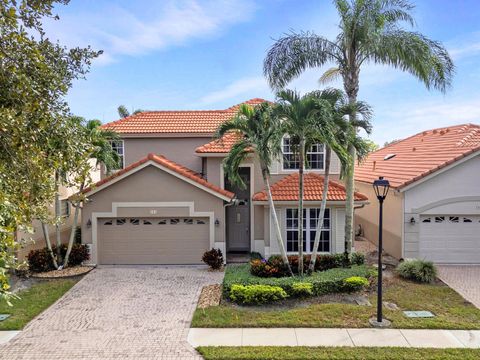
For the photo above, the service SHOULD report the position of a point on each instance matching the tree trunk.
(323, 205)
(276, 223)
(49, 244)
(57, 218)
(301, 160)
(72, 232)
(351, 88)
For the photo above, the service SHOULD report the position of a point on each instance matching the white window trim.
(68, 208)
(123, 156)
(282, 162)
(308, 229)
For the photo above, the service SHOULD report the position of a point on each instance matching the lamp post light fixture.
(381, 187)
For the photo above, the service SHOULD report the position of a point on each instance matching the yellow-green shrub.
(302, 289)
(256, 294)
(355, 283)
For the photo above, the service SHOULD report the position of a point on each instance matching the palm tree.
(123, 111)
(370, 32)
(101, 145)
(258, 132)
(305, 120)
(335, 139)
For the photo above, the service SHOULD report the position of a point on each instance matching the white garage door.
(152, 241)
(451, 239)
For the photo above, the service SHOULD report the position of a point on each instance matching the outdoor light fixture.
(381, 187)
(412, 220)
(217, 222)
(89, 223)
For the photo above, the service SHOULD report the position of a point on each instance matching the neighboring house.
(433, 208)
(171, 202)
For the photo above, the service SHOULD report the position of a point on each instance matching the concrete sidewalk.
(334, 337)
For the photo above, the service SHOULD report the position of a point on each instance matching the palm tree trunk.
(74, 227)
(276, 223)
(351, 84)
(57, 217)
(49, 244)
(301, 160)
(323, 205)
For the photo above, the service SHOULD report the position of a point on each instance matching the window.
(200, 222)
(64, 208)
(118, 147)
(108, 222)
(315, 156)
(121, 221)
(310, 220)
(174, 221)
(146, 222)
(162, 222)
(135, 221)
(453, 219)
(439, 219)
(427, 220)
(188, 221)
(467, 220)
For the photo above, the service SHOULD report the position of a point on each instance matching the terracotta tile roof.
(420, 155)
(163, 161)
(175, 122)
(286, 189)
(220, 146)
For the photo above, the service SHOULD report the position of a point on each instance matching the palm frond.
(123, 111)
(330, 76)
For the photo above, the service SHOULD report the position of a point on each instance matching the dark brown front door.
(238, 216)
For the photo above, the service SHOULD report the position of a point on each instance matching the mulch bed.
(210, 296)
(64, 273)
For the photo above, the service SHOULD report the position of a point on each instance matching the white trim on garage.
(117, 205)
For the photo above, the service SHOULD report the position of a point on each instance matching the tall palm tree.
(259, 134)
(371, 31)
(335, 139)
(303, 118)
(123, 112)
(102, 151)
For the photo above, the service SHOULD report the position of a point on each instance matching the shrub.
(355, 283)
(357, 258)
(78, 235)
(254, 255)
(256, 294)
(213, 258)
(302, 289)
(264, 268)
(323, 282)
(418, 270)
(40, 260)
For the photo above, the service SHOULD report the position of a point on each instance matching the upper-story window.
(64, 208)
(118, 147)
(315, 156)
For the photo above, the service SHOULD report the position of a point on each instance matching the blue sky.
(208, 54)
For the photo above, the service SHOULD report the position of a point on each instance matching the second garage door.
(451, 239)
(152, 240)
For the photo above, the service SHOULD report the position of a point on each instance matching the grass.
(344, 353)
(451, 310)
(33, 301)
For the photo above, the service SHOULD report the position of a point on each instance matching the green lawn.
(452, 311)
(344, 353)
(33, 301)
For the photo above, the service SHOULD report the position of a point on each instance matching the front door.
(238, 216)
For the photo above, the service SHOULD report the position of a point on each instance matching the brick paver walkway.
(118, 313)
(464, 280)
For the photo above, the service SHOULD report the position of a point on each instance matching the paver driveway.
(464, 280)
(118, 313)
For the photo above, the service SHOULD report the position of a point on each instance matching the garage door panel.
(450, 238)
(153, 241)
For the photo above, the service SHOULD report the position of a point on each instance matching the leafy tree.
(370, 31)
(372, 146)
(390, 142)
(259, 133)
(123, 111)
(305, 120)
(35, 76)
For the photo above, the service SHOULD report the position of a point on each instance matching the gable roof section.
(175, 122)
(420, 155)
(286, 189)
(219, 146)
(171, 167)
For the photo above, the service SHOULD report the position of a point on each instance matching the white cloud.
(465, 46)
(250, 87)
(413, 117)
(119, 31)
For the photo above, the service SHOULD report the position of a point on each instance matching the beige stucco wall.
(367, 217)
(178, 149)
(152, 185)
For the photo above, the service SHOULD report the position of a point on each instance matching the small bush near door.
(213, 258)
(418, 270)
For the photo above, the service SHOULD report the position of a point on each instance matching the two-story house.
(171, 200)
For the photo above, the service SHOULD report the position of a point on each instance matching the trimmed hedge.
(323, 282)
(256, 294)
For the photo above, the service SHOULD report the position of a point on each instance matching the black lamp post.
(381, 187)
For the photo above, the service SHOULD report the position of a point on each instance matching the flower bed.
(322, 282)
